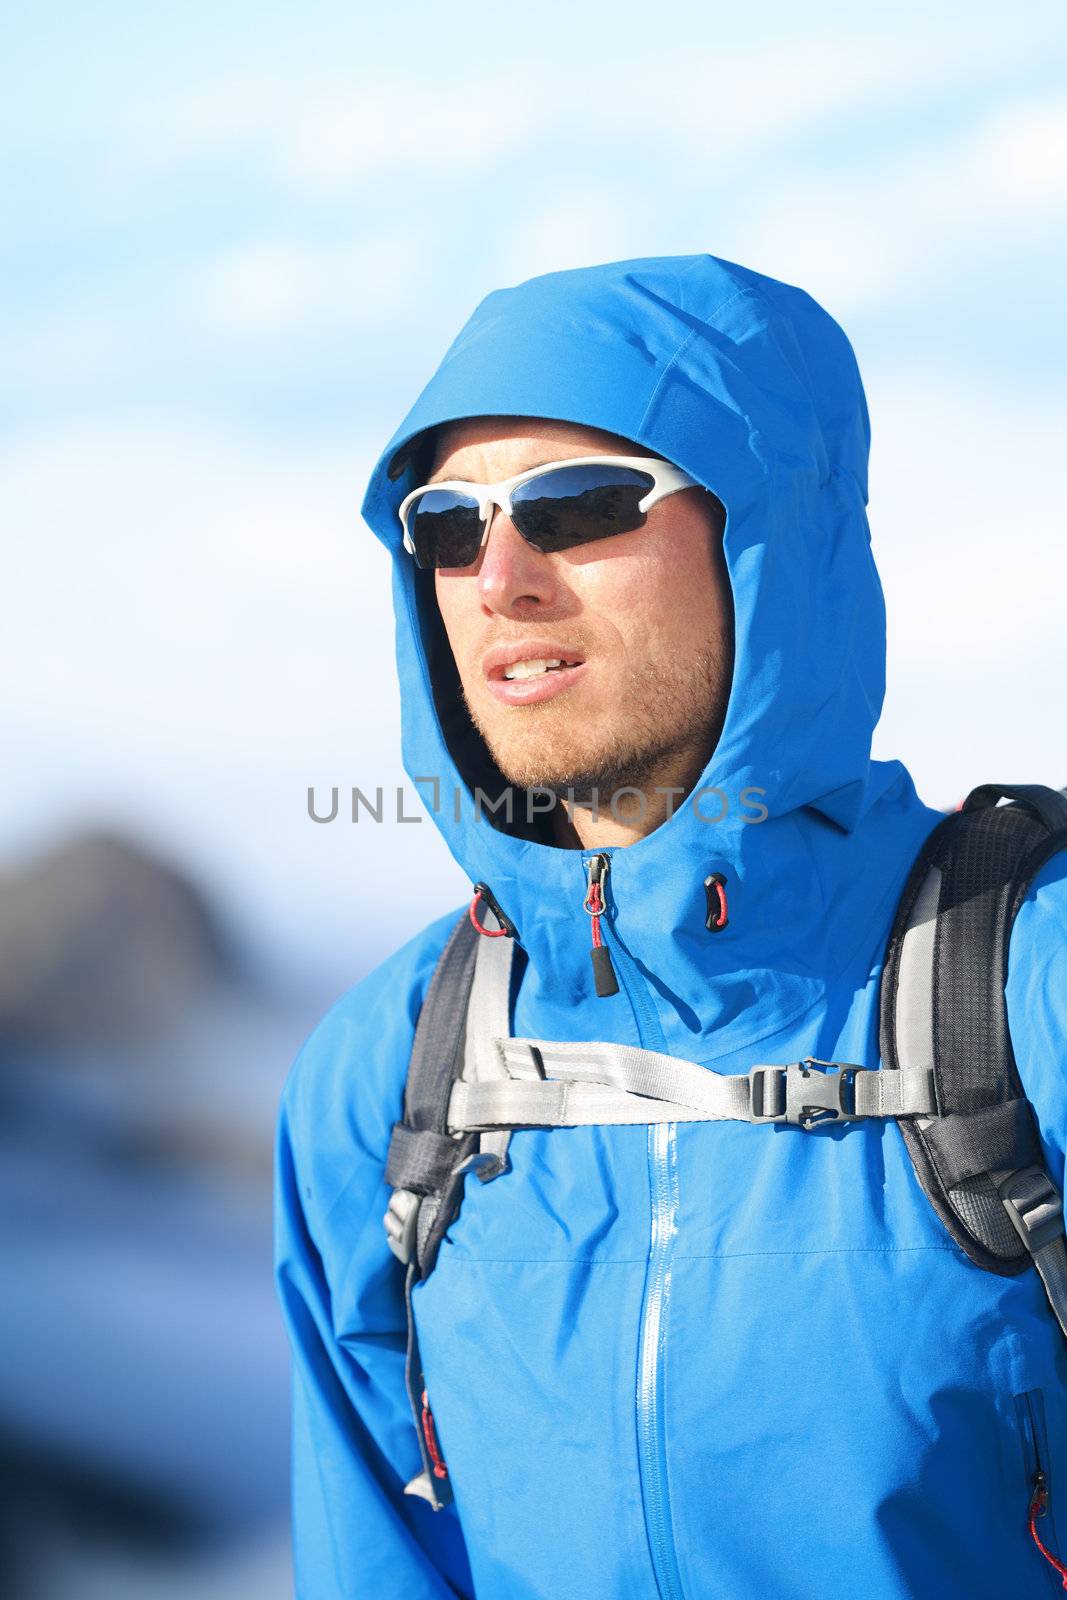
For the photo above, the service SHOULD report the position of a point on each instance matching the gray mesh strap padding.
(488, 1018)
(908, 1042)
(419, 1159)
(439, 1029)
(943, 1004)
(1001, 1138)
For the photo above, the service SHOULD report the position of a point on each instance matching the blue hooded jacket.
(690, 1360)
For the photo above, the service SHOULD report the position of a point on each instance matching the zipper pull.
(1039, 1498)
(604, 977)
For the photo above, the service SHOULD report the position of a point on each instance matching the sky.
(236, 241)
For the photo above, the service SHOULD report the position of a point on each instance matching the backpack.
(948, 1071)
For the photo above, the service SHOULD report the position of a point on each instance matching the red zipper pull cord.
(715, 889)
(1038, 1508)
(604, 979)
(483, 892)
(429, 1433)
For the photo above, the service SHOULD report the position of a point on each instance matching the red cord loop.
(718, 911)
(490, 933)
(594, 905)
(430, 1435)
(1038, 1507)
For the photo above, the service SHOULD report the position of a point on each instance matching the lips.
(526, 686)
(497, 663)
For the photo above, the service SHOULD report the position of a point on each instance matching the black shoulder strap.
(421, 1168)
(943, 1006)
(422, 1154)
(427, 1165)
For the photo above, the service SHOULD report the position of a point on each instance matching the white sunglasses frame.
(667, 479)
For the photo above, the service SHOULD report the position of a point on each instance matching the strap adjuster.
(401, 1224)
(803, 1096)
(1033, 1203)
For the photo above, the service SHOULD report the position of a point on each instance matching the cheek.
(457, 601)
(661, 596)
(691, 599)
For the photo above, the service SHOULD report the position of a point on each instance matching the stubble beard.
(663, 716)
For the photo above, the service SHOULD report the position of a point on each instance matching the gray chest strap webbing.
(509, 1083)
(553, 1084)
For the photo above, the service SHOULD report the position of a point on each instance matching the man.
(674, 1360)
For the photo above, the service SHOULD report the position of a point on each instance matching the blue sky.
(236, 241)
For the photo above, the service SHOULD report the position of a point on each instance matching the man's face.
(642, 621)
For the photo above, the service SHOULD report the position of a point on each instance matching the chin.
(537, 760)
(532, 757)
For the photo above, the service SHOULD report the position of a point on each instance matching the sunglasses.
(554, 507)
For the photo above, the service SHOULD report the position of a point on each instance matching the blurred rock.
(102, 944)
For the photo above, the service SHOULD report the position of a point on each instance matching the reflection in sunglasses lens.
(576, 505)
(445, 528)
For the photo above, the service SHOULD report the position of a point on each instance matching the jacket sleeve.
(354, 1445)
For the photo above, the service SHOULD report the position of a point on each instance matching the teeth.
(530, 669)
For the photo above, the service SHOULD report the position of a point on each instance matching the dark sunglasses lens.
(575, 505)
(445, 528)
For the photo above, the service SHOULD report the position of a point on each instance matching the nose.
(514, 579)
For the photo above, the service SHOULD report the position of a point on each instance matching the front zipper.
(655, 1297)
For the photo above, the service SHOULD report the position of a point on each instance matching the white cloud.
(707, 106)
(345, 128)
(717, 106)
(866, 238)
(452, 128)
(187, 584)
(275, 283)
(968, 538)
(580, 225)
(260, 285)
(1022, 156)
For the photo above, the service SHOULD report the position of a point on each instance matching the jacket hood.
(751, 387)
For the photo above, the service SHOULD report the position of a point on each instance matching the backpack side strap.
(427, 1162)
(420, 1164)
(943, 1007)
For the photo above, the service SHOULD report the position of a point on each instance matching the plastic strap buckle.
(1033, 1203)
(401, 1223)
(802, 1095)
